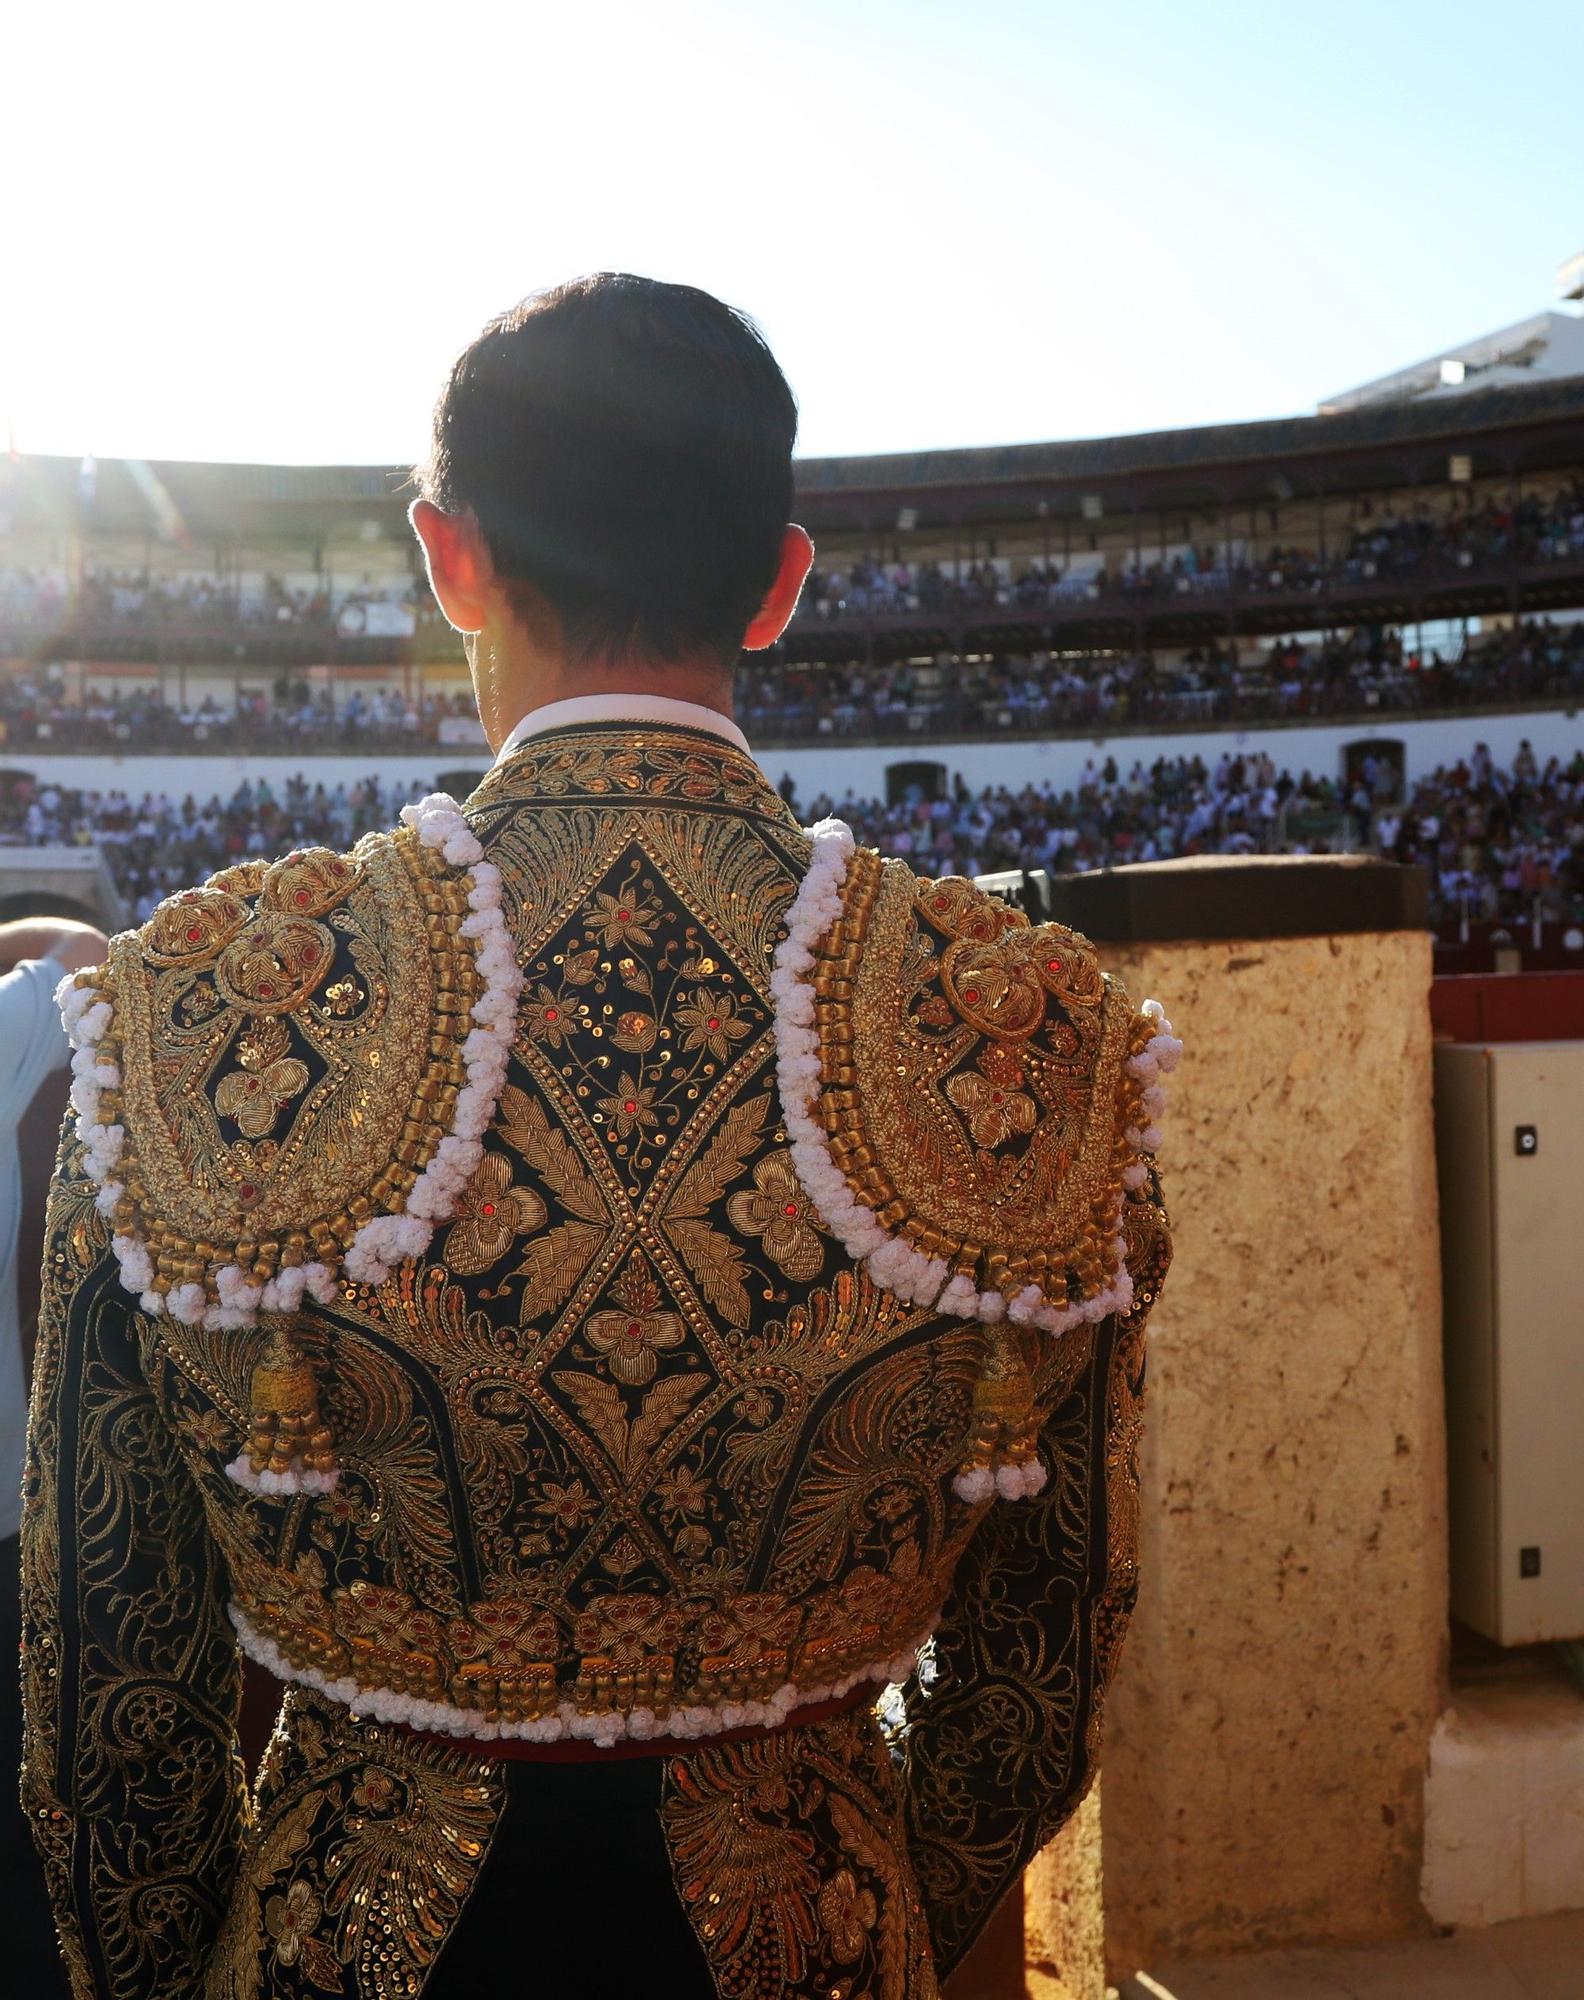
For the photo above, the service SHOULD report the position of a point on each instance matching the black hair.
(626, 448)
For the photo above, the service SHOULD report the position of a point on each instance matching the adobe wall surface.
(1267, 1738)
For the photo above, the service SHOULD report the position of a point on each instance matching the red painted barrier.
(1508, 1007)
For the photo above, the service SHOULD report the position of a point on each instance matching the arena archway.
(919, 777)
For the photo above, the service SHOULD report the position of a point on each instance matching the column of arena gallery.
(1266, 1741)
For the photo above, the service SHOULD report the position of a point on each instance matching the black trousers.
(33, 1960)
(576, 1895)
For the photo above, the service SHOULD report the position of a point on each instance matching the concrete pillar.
(1266, 1742)
(1063, 1917)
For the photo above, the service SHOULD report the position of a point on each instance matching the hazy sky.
(238, 231)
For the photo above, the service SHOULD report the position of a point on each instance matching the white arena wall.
(855, 770)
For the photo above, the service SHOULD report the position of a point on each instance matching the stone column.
(1266, 1741)
(1063, 1913)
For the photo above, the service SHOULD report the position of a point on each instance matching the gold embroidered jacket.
(600, 1264)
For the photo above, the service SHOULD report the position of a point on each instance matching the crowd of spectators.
(1477, 532)
(37, 713)
(1498, 844)
(1371, 671)
(131, 602)
(1044, 693)
(163, 841)
(1423, 542)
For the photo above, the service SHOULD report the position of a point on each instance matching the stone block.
(1266, 1741)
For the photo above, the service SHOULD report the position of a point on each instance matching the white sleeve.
(32, 1041)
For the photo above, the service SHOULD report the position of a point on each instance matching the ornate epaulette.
(283, 1080)
(971, 1101)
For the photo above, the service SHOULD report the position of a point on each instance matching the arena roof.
(1546, 347)
(1526, 429)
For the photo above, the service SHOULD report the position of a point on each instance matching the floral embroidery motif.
(682, 1490)
(256, 1094)
(508, 1638)
(194, 926)
(490, 1213)
(624, 920)
(343, 997)
(631, 1108)
(631, 1337)
(635, 1032)
(547, 1017)
(291, 1920)
(778, 1211)
(848, 1914)
(630, 1343)
(565, 1506)
(709, 1021)
(374, 1790)
(274, 964)
(990, 1099)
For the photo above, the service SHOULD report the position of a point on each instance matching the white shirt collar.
(621, 708)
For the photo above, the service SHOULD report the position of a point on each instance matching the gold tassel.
(1005, 1426)
(286, 1424)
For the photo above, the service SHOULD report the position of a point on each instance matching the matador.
(629, 1308)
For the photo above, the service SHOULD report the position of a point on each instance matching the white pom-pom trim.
(892, 1262)
(384, 1241)
(277, 1485)
(1011, 1482)
(690, 1721)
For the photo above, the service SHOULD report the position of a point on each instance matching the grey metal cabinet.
(1510, 1157)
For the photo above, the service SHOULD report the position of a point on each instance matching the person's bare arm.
(72, 945)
